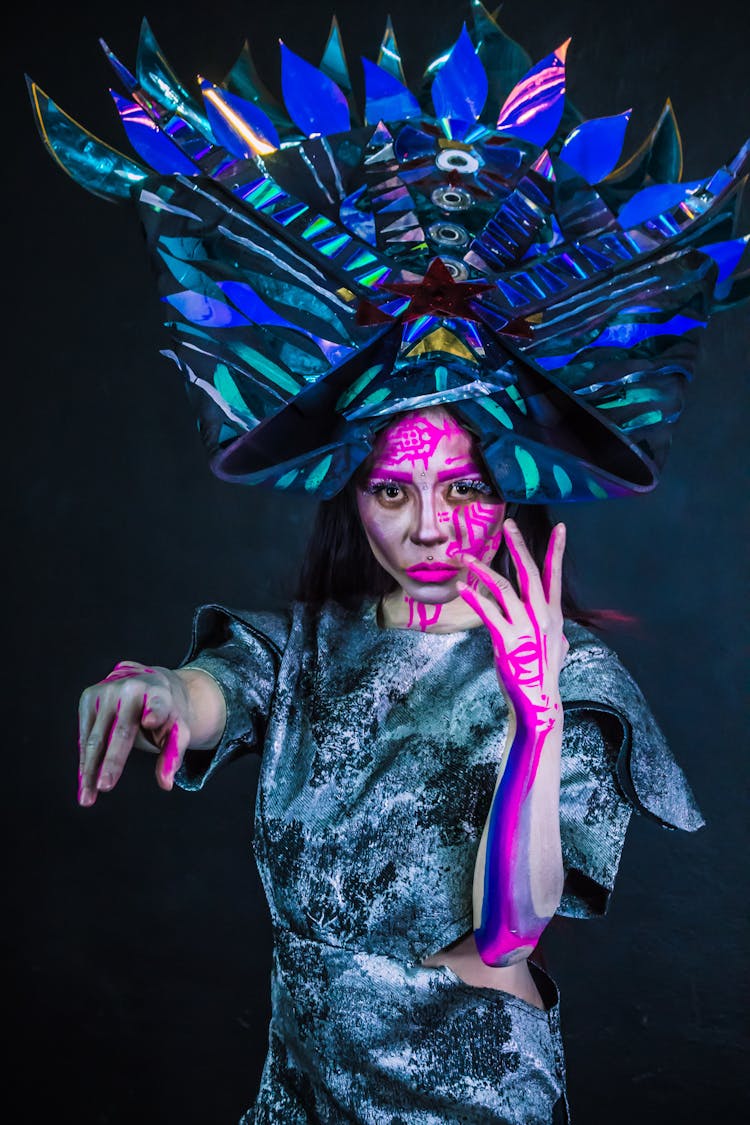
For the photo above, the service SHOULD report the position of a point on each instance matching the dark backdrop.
(138, 935)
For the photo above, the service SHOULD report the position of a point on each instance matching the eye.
(468, 488)
(387, 490)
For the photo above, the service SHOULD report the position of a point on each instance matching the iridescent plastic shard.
(727, 255)
(157, 78)
(658, 159)
(533, 109)
(505, 62)
(87, 160)
(243, 79)
(315, 103)
(238, 125)
(148, 140)
(594, 147)
(128, 79)
(516, 225)
(459, 90)
(654, 200)
(320, 282)
(334, 62)
(386, 98)
(389, 56)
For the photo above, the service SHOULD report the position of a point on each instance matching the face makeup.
(425, 501)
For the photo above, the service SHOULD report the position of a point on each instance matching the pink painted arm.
(518, 874)
(154, 709)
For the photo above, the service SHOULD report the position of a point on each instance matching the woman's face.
(423, 499)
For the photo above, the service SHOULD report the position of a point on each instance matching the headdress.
(475, 243)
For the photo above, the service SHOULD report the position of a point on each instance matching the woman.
(463, 304)
(385, 725)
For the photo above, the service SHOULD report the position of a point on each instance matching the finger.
(88, 706)
(553, 562)
(529, 581)
(94, 744)
(172, 753)
(122, 734)
(483, 609)
(498, 586)
(156, 708)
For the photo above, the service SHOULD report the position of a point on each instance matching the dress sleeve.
(615, 760)
(242, 653)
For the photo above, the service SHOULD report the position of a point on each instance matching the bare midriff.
(463, 958)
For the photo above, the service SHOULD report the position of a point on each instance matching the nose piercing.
(429, 558)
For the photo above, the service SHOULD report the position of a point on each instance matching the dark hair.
(339, 563)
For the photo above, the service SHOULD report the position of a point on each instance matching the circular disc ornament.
(451, 198)
(456, 160)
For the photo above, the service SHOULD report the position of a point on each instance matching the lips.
(432, 572)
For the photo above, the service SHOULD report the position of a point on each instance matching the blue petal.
(314, 102)
(653, 201)
(149, 142)
(533, 108)
(626, 336)
(726, 255)
(593, 148)
(200, 309)
(459, 90)
(251, 305)
(386, 98)
(223, 110)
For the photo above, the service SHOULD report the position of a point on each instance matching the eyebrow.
(460, 470)
(391, 474)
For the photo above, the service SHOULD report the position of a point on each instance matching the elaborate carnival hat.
(476, 244)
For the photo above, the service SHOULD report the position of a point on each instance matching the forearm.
(206, 707)
(518, 874)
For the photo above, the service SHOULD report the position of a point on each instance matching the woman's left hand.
(526, 630)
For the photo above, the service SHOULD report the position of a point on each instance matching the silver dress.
(380, 750)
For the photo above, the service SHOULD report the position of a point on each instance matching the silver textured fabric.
(380, 749)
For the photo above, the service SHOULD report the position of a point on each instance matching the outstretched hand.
(526, 628)
(132, 706)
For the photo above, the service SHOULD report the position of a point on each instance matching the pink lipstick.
(432, 572)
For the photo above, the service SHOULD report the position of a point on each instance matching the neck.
(400, 611)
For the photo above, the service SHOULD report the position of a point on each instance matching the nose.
(428, 529)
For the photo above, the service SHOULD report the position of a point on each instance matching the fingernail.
(105, 781)
(85, 798)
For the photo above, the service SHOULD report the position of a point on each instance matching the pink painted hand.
(518, 874)
(526, 628)
(134, 705)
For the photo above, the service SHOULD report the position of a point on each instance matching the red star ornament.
(437, 292)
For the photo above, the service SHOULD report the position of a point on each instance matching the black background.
(137, 932)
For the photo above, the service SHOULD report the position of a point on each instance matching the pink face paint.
(126, 669)
(171, 755)
(416, 438)
(426, 500)
(421, 616)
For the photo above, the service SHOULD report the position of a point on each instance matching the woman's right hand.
(134, 705)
